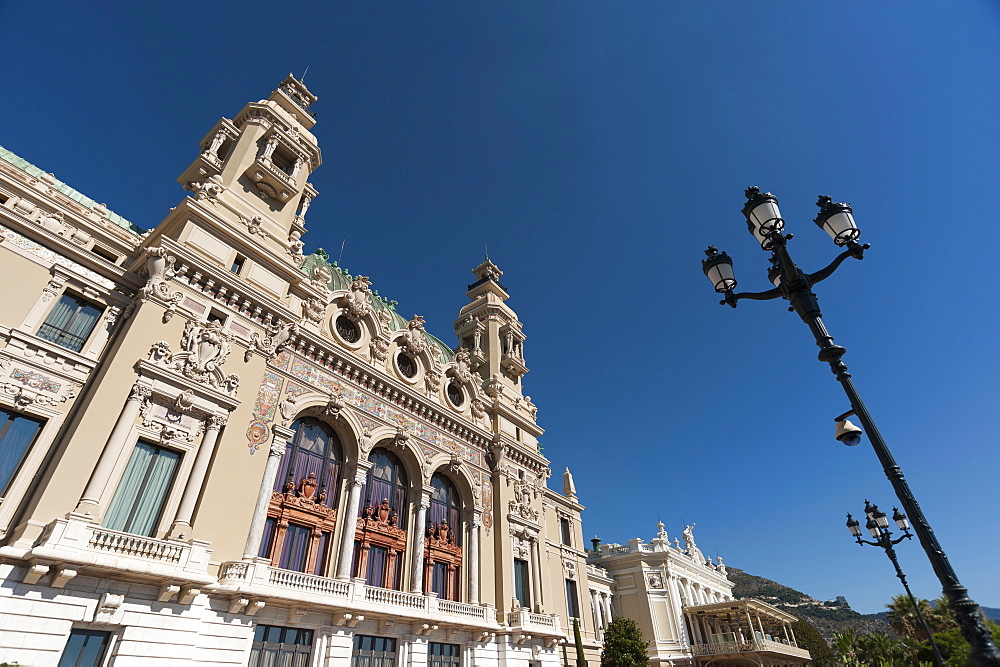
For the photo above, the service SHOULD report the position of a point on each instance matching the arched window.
(444, 509)
(386, 482)
(301, 517)
(380, 540)
(313, 457)
(443, 540)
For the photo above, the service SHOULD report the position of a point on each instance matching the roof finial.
(302, 79)
(486, 246)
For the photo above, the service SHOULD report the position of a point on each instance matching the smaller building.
(684, 605)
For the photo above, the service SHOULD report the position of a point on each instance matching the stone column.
(417, 552)
(90, 500)
(279, 442)
(472, 558)
(346, 557)
(595, 611)
(185, 510)
(536, 575)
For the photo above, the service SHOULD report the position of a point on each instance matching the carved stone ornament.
(255, 225)
(494, 386)
(277, 335)
(295, 246)
(380, 349)
(655, 581)
(524, 492)
(321, 276)
(313, 309)
(455, 464)
(204, 350)
(531, 408)
(159, 269)
(432, 379)
(414, 337)
(463, 365)
(209, 189)
(53, 287)
(358, 301)
(288, 408)
(401, 438)
(175, 301)
(478, 410)
(335, 406)
(184, 401)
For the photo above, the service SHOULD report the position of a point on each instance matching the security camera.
(848, 433)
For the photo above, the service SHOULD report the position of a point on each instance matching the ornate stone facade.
(237, 433)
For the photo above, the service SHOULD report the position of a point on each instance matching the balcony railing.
(125, 544)
(524, 619)
(259, 579)
(78, 540)
(755, 646)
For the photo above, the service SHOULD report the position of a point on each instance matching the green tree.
(845, 646)
(903, 617)
(623, 645)
(581, 661)
(811, 640)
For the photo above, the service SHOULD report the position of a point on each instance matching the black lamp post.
(795, 286)
(878, 526)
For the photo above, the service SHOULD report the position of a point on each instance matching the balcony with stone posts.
(258, 579)
(76, 543)
(743, 630)
(525, 624)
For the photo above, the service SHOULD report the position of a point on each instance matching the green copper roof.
(342, 280)
(75, 195)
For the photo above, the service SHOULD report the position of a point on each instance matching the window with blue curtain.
(314, 449)
(85, 648)
(70, 322)
(386, 481)
(143, 490)
(17, 433)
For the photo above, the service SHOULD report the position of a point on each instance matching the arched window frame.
(302, 514)
(443, 540)
(380, 536)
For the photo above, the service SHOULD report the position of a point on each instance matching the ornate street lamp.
(878, 526)
(795, 286)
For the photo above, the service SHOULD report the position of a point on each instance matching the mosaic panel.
(35, 380)
(263, 410)
(39, 250)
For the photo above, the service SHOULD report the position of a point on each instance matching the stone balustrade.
(258, 579)
(79, 542)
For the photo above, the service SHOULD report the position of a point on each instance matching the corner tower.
(259, 163)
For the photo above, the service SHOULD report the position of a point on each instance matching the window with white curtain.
(70, 322)
(143, 490)
(17, 433)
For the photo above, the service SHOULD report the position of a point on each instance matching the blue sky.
(598, 147)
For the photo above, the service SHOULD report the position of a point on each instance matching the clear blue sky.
(598, 147)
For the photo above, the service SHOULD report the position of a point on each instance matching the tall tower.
(491, 332)
(256, 167)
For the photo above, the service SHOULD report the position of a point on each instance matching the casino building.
(217, 450)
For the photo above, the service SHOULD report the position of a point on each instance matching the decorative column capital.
(140, 392)
(280, 439)
(216, 421)
(359, 475)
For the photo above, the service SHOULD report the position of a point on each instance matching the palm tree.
(903, 617)
(845, 646)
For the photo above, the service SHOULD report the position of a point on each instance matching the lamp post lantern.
(878, 526)
(795, 286)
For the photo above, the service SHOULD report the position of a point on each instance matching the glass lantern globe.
(837, 220)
